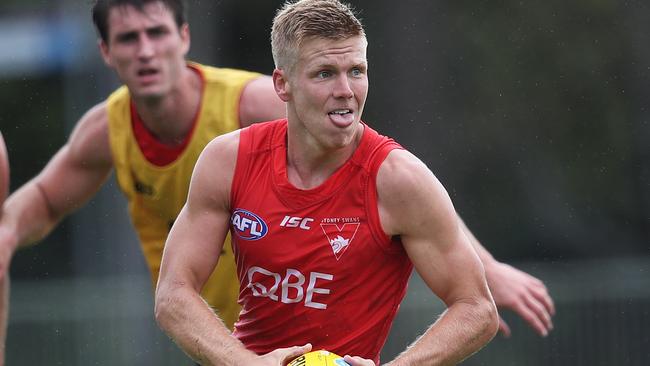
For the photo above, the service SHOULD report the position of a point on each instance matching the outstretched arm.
(70, 178)
(515, 290)
(415, 206)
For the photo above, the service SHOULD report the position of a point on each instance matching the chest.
(267, 232)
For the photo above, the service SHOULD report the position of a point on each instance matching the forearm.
(27, 216)
(463, 329)
(190, 322)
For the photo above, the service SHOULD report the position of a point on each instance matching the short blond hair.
(297, 21)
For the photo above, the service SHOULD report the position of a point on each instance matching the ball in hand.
(319, 358)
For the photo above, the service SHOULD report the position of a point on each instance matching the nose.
(146, 48)
(342, 88)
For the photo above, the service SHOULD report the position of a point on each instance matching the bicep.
(196, 239)
(449, 266)
(77, 171)
(193, 246)
(416, 206)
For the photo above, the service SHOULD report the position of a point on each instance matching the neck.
(170, 117)
(310, 164)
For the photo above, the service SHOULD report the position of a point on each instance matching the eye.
(127, 37)
(156, 32)
(323, 74)
(356, 72)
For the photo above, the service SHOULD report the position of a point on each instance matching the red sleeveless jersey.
(314, 265)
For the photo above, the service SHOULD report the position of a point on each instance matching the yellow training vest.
(156, 194)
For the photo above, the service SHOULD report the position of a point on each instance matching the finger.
(357, 361)
(504, 329)
(541, 303)
(540, 310)
(542, 295)
(306, 348)
(531, 318)
(296, 350)
(288, 354)
(540, 291)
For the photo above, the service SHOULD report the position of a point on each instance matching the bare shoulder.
(215, 168)
(403, 175)
(222, 149)
(89, 142)
(408, 192)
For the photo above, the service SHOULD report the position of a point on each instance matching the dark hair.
(102, 8)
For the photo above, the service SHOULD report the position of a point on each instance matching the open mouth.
(147, 73)
(341, 117)
(340, 112)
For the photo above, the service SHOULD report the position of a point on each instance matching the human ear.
(185, 37)
(103, 49)
(281, 84)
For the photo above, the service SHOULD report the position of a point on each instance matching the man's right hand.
(282, 356)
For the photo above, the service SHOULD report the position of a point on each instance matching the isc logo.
(247, 225)
(292, 221)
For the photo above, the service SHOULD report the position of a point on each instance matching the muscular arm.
(259, 102)
(414, 205)
(69, 179)
(191, 253)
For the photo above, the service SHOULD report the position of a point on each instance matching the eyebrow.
(132, 33)
(358, 62)
(125, 35)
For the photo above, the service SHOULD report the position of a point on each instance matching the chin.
(149, 93)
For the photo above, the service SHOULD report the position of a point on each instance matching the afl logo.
(247, 225)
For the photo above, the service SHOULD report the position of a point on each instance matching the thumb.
(293, 352)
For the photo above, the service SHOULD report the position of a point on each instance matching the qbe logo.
(290, 288)
(247, 225)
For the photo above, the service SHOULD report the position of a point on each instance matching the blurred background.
(534, 115)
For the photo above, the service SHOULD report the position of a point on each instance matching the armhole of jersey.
(112, 129)
(118, 136)
(112, 139)
(241, 164)
(224, 87)
(385, 242)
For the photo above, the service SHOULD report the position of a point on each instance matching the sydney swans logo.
(340, 236)
(339, 243)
